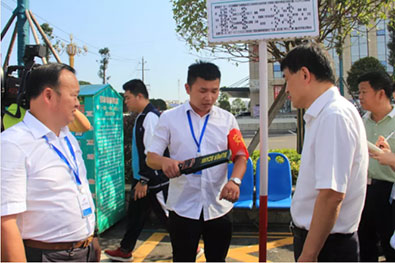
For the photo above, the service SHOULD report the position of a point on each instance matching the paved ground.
(154, 245)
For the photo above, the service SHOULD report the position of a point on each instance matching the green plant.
(360, 67)
(292, 155)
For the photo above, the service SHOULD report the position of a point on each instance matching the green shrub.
(292, 155)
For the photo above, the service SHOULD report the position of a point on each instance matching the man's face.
(203, 94)
(131, 101)
(296, 87)
(66, 97)
(368, 97)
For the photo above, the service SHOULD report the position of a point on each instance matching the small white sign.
(243, 20)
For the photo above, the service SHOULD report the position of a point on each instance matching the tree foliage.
(159, 104)
(238, 106)
(337, 18)
(359, 68)
(223, 101)
(56, 43)
(83, 82)
(104, 61)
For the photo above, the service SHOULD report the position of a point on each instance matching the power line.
(113, 57)
(7, 6)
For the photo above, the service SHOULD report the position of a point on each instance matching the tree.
(391, 43)
(159, 104)
(83, 82)
(223, 101)
(48, 30)
(105, 59)
(336, 18)
(238, 106)
(360, 67)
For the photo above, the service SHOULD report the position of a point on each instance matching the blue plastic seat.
(246, 199)
(279, 182)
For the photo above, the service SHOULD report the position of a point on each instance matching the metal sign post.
(263, 146)
(245, 20)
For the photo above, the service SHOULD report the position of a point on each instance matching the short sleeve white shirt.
(189, 194)
(149, 124)
(334, 156)
(38, 185)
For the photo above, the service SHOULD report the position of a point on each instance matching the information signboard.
(244, 20)
(103, 152)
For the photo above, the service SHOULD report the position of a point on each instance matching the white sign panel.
(243, 20)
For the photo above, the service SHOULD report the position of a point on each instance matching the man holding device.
(199, 203)
(375, 90)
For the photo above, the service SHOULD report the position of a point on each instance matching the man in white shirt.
(330, 190)
(199, 203)
(47, 211)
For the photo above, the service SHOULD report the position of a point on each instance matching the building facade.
(362, 42)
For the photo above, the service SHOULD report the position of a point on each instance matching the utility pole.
(23, 29)
(142, 68)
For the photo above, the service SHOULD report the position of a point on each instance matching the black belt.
(302, 233)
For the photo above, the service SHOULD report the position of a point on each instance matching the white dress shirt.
(149, 124)
(189, 194)
(334, 156)
(37, 184)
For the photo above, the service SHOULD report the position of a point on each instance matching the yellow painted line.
(279, 243)
(241, 254)
(144, 249)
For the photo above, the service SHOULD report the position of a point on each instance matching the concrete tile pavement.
(154, 244)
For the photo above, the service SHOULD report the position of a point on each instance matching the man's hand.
(230, 192)
(170, 167)
(97, 248)
(385, 158)
(383, 144)
(140, 191)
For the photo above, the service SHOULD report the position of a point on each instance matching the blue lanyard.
(201, 134)
(61, 155)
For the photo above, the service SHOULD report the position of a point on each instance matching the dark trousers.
(337, 247)
(73, 255)
(185, 234)
(376, 226)
(138, 213)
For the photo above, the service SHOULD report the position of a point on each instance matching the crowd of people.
(343, 208)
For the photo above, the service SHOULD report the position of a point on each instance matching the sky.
(131, 30)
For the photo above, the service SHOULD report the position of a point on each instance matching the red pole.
(263, 129)
(263, 228)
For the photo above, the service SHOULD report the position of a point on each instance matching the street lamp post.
(71, 50)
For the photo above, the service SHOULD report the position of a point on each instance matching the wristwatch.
(236, 180)
(143, 182)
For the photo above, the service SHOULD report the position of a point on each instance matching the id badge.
(85, 206)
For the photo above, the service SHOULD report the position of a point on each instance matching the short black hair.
(44, 76)
(204, 70)
(136, 86)
(378, 80)
(314, 58)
